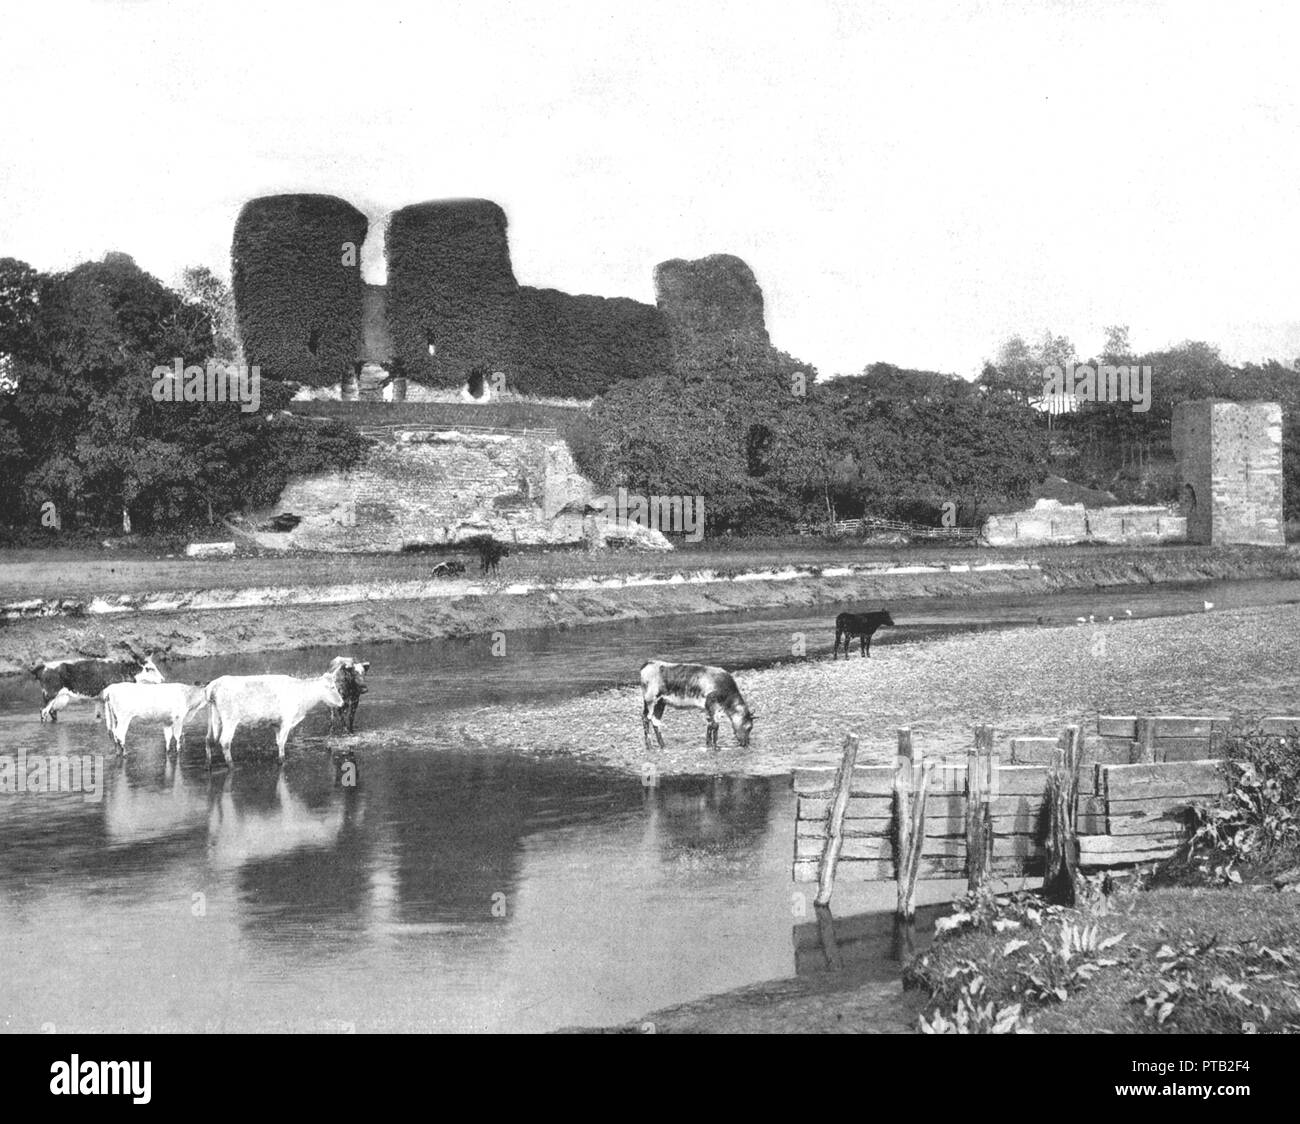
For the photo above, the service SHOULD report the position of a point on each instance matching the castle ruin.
(452, 311)
(1230, 460)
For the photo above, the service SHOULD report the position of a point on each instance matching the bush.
(1256, 824)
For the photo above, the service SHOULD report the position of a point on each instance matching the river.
(443, 885)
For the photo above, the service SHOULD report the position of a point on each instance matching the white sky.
(910, 181)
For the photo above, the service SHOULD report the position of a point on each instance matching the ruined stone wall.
(451, 284)
(713, 298)
(452, 304)
(1230, 457)
(436, 487)
(1050, 521)
(298, 306)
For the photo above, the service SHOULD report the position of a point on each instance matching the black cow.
(64, 680)
(490, 552)
(862, 625)
(350, 679)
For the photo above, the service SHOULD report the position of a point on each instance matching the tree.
(81, 427)
(205, 290)
(1020, 369)
(1117, 347)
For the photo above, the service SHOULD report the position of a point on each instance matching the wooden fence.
(1129, 789)
(390, 430)
(911, 530)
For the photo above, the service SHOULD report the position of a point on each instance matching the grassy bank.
(86, 570)
(386, 614)
(1169, 960)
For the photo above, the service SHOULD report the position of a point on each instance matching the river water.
(424, 881)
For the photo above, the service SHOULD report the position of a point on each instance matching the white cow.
(237, 699)
(168, 703)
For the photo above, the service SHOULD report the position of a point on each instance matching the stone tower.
(1230, 459)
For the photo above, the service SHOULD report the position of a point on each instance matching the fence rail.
(1128, 791)
(390, 428)
(912, 530)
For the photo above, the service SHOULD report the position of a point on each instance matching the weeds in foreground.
(1057, 962)
(1220, 988)
(1255, 826)
(1023, 959)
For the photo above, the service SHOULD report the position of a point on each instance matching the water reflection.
(721, 815)
(858, 942)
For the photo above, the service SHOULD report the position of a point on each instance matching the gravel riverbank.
(1021, 681)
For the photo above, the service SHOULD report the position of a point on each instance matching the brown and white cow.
(710, 689)
(62, 681)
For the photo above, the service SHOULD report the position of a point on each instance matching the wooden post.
(1143, 752)
(1061, 876)
(830, 944)
(911, 787)
(902, 810)
(981, 774)
(835, 838)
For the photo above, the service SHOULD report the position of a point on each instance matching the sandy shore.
(1021, 681)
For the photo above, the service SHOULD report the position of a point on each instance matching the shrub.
(1256, 824)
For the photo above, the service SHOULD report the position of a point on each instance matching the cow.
(490, 552)
(711, 689)
(237, 699)
(862, 625)
(64, 680)
(350, 679)
(168, 703)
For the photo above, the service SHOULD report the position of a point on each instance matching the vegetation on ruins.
(296, 277)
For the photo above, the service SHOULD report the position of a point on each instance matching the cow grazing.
(862, 625)
(168, 703)
(350, 679)
(711, 689)
(235, 700)
(64, 680)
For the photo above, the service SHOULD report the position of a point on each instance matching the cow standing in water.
(237, 700)
(862, 625)
(350, 679)
(711, 689)
(62, 681)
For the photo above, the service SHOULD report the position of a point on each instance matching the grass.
(83, 567)
(1187, 960)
